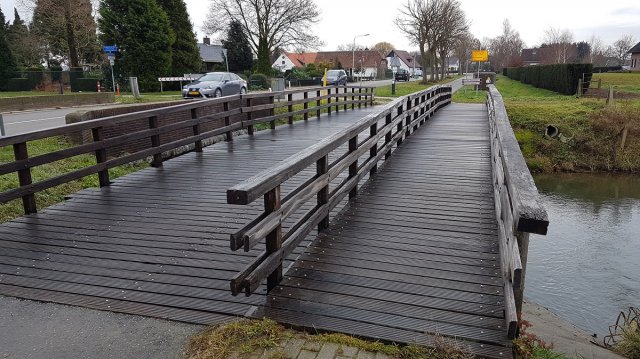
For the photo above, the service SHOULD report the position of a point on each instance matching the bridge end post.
(523, 246)
(272, 203)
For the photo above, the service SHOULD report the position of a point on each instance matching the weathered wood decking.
(416, 252)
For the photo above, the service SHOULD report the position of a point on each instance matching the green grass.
(468, 95)
(407, 88)
(593, 136)
(13, 209)
(626, 82)
(629, 346)
(150, 97)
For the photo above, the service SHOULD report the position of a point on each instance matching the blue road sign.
(112, 49)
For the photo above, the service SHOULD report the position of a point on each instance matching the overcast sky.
(341, 20)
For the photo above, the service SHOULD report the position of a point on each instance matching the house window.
(283, 62)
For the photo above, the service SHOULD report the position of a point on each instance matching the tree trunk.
(264, 58)
(74, 61)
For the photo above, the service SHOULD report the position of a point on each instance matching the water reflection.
(587, 268)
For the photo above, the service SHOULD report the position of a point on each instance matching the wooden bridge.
(390, 222)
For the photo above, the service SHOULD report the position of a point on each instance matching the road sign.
(479, 56)
(110, 49)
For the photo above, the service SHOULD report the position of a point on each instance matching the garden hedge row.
(562, 78)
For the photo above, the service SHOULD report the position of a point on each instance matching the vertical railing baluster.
(373, 152)
(407, 119)
(337, 99)
(346, 98)
(389, 135)
(290, 107)
(274, 239)
(155, 142)
(227, 122)
(24, 178)
(306, 105)
(353, 168)
(360, 97)
(318, 103)
(272, 111)
(523, 247)
(101, 156)
(249, 117)
(196, 130)
(400, 126)
(353, 98)
(322, 166)
(329, 101)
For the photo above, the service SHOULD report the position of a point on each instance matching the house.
(366, 63)
(635, 57)
(531, 57)
(288, 60)
(453, 64)
(408, 62)
(212, 55)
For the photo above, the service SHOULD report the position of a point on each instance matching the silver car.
(215, 84)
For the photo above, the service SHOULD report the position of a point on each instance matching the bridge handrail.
(519, 210)
(401, 115)
(336, 97)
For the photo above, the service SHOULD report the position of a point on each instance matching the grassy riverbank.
(592, 134)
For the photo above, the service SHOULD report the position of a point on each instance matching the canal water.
(587, 268)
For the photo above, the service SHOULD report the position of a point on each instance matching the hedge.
(19, 84)
(85, 85)
(562, 78)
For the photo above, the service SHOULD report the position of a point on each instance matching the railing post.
(523, 247)
(360, 97)
(249, 117)
(400, 125)
(346, 98)
(272, 110)
(196, 130)
(373, 151)
(273, 239)
(416, 114)
(407, 119)
(155, 142)
(329, 101)
(101, 156)
(24, 177)
(290, 107)
(318, 103)
(353, 98)
(387, 137)
(322, 166)
(306, 105)
(337, 99)
(372, 95)
(353, 168)
(227, 122)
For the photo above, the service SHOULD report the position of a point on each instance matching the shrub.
(258, 82)
(562, 78)
(19, 84)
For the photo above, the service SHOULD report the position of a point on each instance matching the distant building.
(212, 55)
(635, 57)
(531, 57)
(407, 61)
(366, 63)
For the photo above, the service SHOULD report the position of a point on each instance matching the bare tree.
(596, 49)
(452, 26)
(462, 49)
(559, 45)
(506, 48)
(621, 47)
(268, 23)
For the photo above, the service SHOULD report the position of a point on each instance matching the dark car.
(336, 77)
(402, 75)
(215, 84)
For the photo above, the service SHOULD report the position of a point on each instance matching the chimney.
(206, 41)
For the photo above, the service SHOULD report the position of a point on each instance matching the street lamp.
(353, 53)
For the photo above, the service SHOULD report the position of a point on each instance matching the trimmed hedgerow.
(562, 78)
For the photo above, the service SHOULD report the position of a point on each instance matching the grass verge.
(592, 136)
(622, 81)
(407, 88)
(13, 209)
(242, 338)
(468, 95)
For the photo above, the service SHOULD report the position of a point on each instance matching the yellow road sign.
(479, 55)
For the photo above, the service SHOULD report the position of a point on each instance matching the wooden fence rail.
(519, 210)
(190, 128)
(369, 140)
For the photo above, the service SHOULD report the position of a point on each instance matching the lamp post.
(353, 53)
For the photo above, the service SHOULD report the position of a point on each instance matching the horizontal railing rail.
(519, 210)
(368, 141)
(199, 122)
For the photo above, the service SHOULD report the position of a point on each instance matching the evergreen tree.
(239, 53)
(186, 56)
(21, 42)
(7, 62)
(140, 29)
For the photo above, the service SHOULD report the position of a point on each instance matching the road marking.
(38, 120)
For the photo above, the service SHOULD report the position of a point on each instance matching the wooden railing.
(519, 210)
(368, 141)
(190, 129)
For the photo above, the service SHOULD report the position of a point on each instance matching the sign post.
(111, 55)
(479, 56)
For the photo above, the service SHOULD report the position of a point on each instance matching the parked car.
(336, 77)
(215, 84)
(402, 75)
